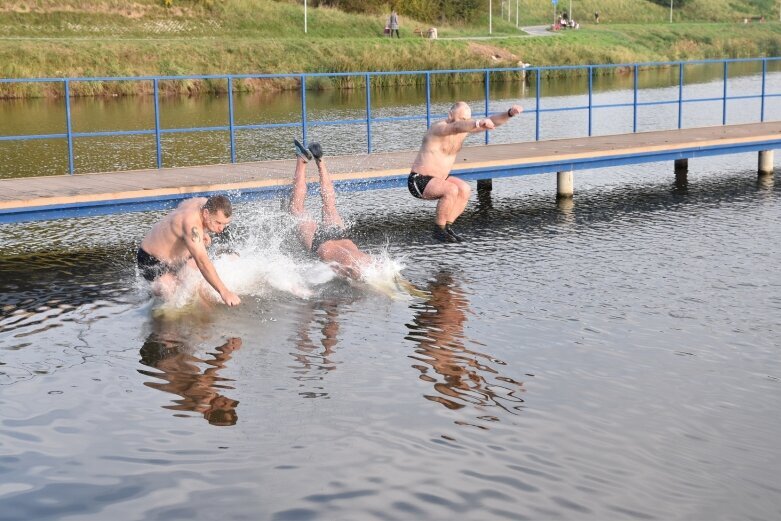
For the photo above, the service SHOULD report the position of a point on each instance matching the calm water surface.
(616, 357)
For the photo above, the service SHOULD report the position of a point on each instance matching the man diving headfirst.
(430, 175)
(183, 235)
(330, 240)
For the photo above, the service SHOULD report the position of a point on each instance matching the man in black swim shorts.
(181, 236)
(430, 176)
(330, 240)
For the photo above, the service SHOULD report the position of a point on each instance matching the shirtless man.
(430, 176)
(329, 241)
(183, 235)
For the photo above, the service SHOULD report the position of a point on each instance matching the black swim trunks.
(329, 233)
(416, 183)
(151, 267)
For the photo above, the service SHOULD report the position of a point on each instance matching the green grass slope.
(66, 38)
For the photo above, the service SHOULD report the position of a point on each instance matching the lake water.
(613, 357)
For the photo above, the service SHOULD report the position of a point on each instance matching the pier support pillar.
(765, 162)
(564, 184)
(485, 185)
(681, 173)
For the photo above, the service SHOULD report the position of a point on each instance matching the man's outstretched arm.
(500, 118)
(194, 240)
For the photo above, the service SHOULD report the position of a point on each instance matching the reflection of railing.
(304, 124)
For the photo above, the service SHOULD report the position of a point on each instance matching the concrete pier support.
(485, 185)
(564, 184)
(765, 162)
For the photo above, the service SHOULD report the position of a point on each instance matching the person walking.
(393, 22)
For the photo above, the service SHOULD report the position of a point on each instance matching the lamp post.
(304, 16)
(517, 11)
(490, 19)
(671, 11)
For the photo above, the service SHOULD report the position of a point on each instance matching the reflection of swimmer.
(181, 235)
(329, 241)
(313, 361)
(460, 375)
(200, 391)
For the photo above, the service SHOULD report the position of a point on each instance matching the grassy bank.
(113, 38)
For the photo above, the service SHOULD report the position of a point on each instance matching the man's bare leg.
(448, 199)
(298, 196)
(331, 215)
(464, 191)
(306, 228)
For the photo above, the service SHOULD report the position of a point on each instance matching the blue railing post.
(724, 97)
(487, 99)
(537, 105)
(158, 142)
(428, 99)
(230, 119)
(762, 103)
(303, 108)
(680, 94)
(68, 126)
(590, 96)
(368, 114)
(634, 103)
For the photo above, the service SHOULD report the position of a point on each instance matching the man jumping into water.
(329, 241)
(430, 175)
(183, 235)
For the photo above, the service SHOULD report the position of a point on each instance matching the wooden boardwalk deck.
(56, 196)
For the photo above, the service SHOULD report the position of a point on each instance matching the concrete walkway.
(534, 30)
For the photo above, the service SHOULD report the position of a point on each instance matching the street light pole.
(304, 16)
(671, 11)
(490, 19)
(517, 11)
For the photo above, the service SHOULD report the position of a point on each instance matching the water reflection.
(312, 362)
(461, 377)
(169, 348)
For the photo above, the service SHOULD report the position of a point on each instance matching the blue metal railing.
(304, 124)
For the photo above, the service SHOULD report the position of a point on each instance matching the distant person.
(329, 241)
(183, 235)
(430, 175)
(393, 22)
(596, 17)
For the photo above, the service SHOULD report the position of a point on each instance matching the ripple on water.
(576, 360)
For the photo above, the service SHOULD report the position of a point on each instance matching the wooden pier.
(52, 197)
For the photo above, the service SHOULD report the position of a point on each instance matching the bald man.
(430, 175)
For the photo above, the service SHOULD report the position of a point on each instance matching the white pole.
(304, 16)
(517, 26)
(671, 11)
(490, 20)
(570, 11)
